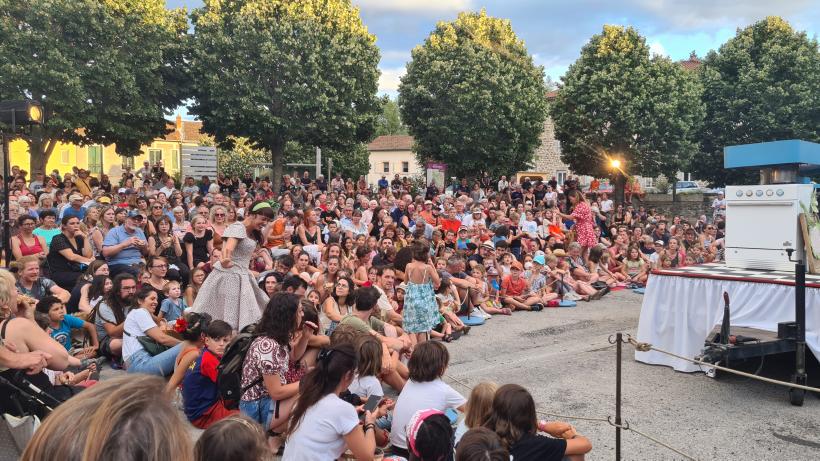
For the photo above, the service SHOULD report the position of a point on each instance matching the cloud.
(699, 14)
(389, 79)
(414, 6)
(655, 48)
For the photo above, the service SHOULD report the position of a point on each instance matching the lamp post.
(12, 113)
(620, 180)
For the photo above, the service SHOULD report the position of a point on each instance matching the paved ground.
(562, 356)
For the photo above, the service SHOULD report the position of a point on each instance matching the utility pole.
(318, 162)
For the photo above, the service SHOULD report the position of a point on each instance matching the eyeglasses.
(219, 215)
(160, 266)
(157, 207)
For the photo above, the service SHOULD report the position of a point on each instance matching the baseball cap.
(134, 214)
(516, 265)
(75, 197)
(488, 244)
(402, 286)
(539, 259)
(122, 190)
(428, 202)
(659, 242)
(559, 253)
(104, 199)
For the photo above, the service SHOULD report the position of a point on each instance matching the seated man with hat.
(125, 245)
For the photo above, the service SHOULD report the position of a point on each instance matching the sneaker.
(537, 307)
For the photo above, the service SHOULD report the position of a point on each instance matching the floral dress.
(420, 312)
(582, 215)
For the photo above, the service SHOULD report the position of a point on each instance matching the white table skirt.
(678, 313)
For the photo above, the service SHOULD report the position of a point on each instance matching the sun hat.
(559, 253)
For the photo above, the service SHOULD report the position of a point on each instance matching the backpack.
(229, 371)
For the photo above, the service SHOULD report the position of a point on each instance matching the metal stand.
(796, 396)
(6, 191)
(619, 344)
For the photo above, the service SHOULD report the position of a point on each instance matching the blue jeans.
(160, 364)
(260, 410)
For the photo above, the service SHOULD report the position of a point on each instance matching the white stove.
(761, 222)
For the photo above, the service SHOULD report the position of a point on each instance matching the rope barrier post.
(619, 344)
(796, 395)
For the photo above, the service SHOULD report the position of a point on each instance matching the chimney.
(179, 123)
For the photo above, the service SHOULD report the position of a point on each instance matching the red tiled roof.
(552, 94)
(692, 63)
(391, 142)
(191, 131)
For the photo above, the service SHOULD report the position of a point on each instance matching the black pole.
(6, 192)
(796, 395)
(619, 343)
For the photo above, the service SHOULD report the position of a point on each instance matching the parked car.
(687, 187)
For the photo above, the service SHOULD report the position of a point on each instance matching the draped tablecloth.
(678, 313)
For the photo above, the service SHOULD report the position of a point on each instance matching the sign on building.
(435, 173)
(199, 161)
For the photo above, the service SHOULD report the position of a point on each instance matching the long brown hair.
(333, 364)
(480, 403)
(513, 414)
(122, 418)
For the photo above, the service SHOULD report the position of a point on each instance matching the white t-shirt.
(320, 435)
(415, 396)
(136, 324)
(366, 386)
(606, 206)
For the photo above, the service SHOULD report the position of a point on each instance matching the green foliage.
(351, 162)
(472, 97)
(762, 85)
(662, 185)
(275, 71)
(389, 121)
(617, 102)
(240, 157)
(112, 68)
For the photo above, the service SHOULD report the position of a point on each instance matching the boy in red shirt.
(199, 391)
(515, 291)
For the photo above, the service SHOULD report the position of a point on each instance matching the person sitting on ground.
(366, 382)
(61, 325)
(157, 430)
(236, 438)
(424, 390)
(200, 394)
(481, 444)
(323, 424)
(477, 408)
(140, 321)
(515, 291)
(30, 282)
(513, 418)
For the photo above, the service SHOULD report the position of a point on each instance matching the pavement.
(565, 360)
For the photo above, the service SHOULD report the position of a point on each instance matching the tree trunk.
(38, 158)
(620, 185)
(277, 152)
(674, 189)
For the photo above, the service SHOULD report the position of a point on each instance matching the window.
(175, 160)
(648, 182)
(64, 157)
(561, 176)
(95, 158)
(128, 163)
(405, 167)
(386, 167)
(154, 155)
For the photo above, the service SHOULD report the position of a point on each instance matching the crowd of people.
(326, 292)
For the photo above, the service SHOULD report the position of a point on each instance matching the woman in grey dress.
(230, 292)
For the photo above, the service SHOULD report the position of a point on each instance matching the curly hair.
(278, 320)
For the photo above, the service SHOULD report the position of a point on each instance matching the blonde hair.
(122, 418)
(20, 264)
(170, 284)
(480, 403)
(7, 287)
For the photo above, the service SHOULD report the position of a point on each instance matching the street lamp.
(615, 164)
(12, 115)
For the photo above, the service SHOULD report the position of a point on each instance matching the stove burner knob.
(780, 192)
(759, 193)
(769, 192)
(739, 193)
(749, 193)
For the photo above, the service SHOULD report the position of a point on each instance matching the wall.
(395, 159)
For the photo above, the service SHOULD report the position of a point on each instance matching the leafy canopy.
(275, 71)
(389, 122)
(106, 71)
(472, 97)
(761, 85)
(617, 102)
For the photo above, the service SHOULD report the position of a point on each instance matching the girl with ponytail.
(322, 424)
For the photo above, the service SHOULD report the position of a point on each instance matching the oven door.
(770, 225)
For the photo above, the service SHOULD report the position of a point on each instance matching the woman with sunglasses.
(230, 293)
(164, 243)
(219, 222)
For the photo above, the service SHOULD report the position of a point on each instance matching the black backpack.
(229, 371)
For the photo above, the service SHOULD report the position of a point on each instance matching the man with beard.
(111, 314)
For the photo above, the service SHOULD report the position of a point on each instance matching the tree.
(762, 85)
(275, 71)
(617, 103)
(351, 162)
(241, 158)
(389, 122)
(472, 97)
(105, 71)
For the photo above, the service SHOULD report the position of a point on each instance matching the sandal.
(465, 330)
(447, 338)
(506, 311)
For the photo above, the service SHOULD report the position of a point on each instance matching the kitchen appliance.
(762, 220)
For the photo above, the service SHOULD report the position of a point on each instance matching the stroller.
(23, 405)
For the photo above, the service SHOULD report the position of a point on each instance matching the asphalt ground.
(564, 358)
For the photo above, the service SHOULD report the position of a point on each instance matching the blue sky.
(555, 31)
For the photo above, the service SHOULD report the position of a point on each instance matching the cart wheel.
(796, 396)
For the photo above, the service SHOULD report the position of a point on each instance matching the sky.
(555, 31)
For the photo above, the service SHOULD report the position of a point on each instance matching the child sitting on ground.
(61, 325)
(366, 384)
(236, 438)
(448, 302)
(477, 408)
(173, 305)
(200, 394)
(65, 378)
(515, 291)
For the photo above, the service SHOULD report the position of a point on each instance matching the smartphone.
(371, 405)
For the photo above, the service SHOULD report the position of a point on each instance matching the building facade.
(392, 155)
(98, 159)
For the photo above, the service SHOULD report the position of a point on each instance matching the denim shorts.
(260, 410)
